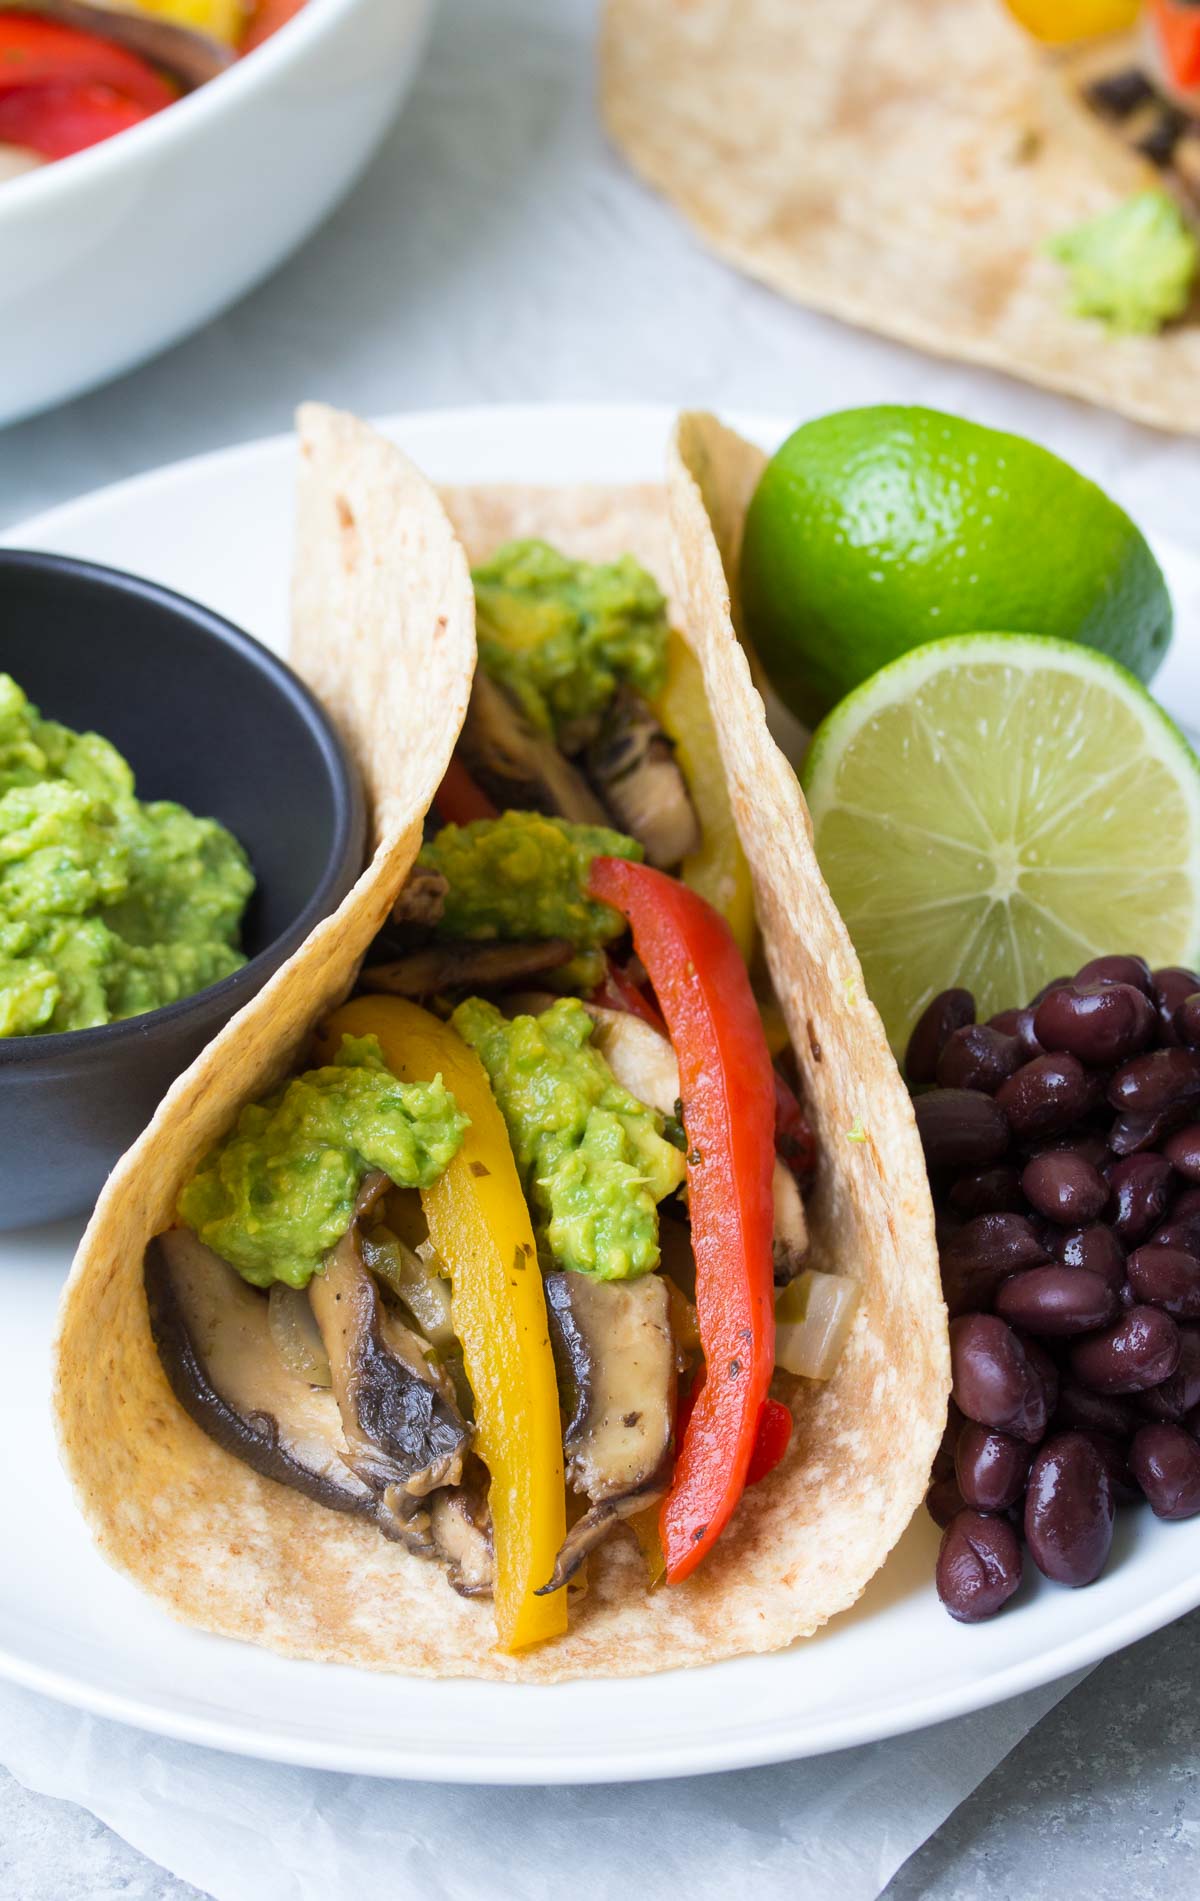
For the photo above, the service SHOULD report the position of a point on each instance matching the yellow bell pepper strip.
(479, 1224)
(223, 20)
(718, 871)
(1059, 21)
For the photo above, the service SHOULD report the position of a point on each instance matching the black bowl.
(207, 716)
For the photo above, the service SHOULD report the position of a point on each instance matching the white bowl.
(111, 255)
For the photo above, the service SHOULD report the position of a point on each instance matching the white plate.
(219, 528)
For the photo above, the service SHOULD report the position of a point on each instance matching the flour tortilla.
(898, 165)
(234, 1553)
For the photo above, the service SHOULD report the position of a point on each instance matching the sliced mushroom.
(189, 56)
(592, 1529)
(791, 1228)
(422, 899)
(632, 765)
(640, 1057)
(461, 1526)
(465, 967)
(403, 1431)
(213, 1337)
(517, 767)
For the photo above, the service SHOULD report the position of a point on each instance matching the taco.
(413, 1332)
(930, 170)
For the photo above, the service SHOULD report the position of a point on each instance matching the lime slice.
(994, 810)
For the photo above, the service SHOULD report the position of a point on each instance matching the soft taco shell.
(898, 165)
(234, 1553)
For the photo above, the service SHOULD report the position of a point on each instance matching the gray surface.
(1100, 1800)
(496, 252)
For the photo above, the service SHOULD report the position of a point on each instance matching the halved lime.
(994, 810)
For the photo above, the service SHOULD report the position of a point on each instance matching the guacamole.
(562, 635)
(109, 906)
(593, 1159)
(279, 1191)
(1132, 267)
(525, 875)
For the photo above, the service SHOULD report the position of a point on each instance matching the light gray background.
(498, 251)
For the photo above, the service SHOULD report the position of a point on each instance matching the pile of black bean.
(1063, 1147)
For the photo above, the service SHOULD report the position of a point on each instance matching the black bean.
(978, 1057)
(1178, 1231)
(1101, 1023)
(1156, 1083)
(1166, 1277)
(1165, 1461)
(1064, 1187)
(1044, 1097)
(1116, 970)
(1006, 1021)
(978, 1566)
(947, 1013)
(960, 1128)
(1187, 1022)
(1182, 1150)
(1055, 983)
(989, 1191)
(1025, 1033)
(1045, 1368)
(1140, 1186)
(1069, 1510)
(1091, 1148)
(1141, 1350)
(981, 1254)
(1096, 1248)
(1176, 1397)
(1058, 1301)
(943, 1458)
(1115, 1459)
(943, 1500)
(1186, 1204)
(1169, 987)
(995, 1382)
(991, 1468)
(1081, 1410)
(1131, 1133)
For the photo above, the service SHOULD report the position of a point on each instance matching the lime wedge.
(994, 810)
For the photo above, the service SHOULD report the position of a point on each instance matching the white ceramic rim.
(287, 46)
(784, 1740)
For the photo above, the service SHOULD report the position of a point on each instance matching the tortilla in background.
(383, 595)
(899, 166)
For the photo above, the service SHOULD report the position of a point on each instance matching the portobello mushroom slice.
(465, 966)
(404, 1433)
(520, 769)
(461, 1527)
(790, 1244)
(213, 1335)
(632, 765)
(615, 1358)
(422, 899)
(188, 55)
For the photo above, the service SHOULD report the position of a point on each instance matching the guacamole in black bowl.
(176, 814)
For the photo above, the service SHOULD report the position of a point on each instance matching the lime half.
(994, 810)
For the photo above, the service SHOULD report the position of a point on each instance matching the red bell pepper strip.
(37, 52)
(703, 989)
(794, 1142)
(619, 992)
(56, 121)
(771, 1441)
(1178, 28)
(269, 16)
(459, 800)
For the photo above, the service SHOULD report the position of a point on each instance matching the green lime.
(997, 809)
(875, 530)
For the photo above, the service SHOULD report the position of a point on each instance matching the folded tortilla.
(899, 166)
(384, 630)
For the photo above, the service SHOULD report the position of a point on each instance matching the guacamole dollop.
(1132, 267)
(562, 635)
(525, 875)
(593, 1160)
(109, 906)
(278, 1192)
